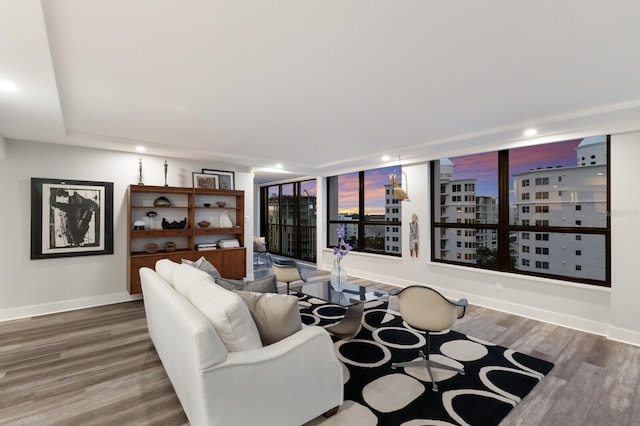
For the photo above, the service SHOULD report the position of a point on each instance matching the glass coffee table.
(353, 297)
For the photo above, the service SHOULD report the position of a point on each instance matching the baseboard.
(624, 336)
(66, 305)
(537, 314)
(576, 323)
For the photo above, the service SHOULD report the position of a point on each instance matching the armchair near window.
(425, 309)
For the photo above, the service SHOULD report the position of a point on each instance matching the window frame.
(504, 228)
(361, 222)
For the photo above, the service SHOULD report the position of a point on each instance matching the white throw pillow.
(164, 268)
(229, 315)
(184, 276)
(276, 315)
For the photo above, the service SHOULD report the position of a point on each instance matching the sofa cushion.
(262, 285)
(165, 268)
(184, 276)
(276, 315)
(229, 315)
(204, 265)
(230, 284)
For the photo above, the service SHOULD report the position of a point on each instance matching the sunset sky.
(375, 180)
(484, 167)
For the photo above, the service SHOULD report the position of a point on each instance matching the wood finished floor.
(98, 367)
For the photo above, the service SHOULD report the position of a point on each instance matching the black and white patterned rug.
(495, 381)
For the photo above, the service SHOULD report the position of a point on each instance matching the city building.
(567, 197)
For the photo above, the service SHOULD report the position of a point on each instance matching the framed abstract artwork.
(71, 218)
(205, 181)
(226, 180)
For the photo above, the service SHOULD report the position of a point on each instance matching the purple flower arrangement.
(343, 247)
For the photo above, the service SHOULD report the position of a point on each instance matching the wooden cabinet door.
(234, 263)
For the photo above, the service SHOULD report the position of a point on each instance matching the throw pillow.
(261, 285)
(276, 315)
(184, 276)
(229, 284)
(204, 265)
(228, 314)
(164, 268)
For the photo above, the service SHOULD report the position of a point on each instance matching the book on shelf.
(203, 247)
(228, 243)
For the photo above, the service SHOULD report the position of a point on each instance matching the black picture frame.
(226, 180)
(71, 218)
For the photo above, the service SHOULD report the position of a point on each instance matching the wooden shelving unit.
(189, 204)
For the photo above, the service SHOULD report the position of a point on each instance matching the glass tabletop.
(350, 295)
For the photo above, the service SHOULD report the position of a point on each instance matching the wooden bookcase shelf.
(189, 204)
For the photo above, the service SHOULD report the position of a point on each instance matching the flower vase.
(338, 278)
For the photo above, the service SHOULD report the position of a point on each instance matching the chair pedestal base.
(426, 362)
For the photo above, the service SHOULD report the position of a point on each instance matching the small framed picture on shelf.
(226, 180)
(205, 181)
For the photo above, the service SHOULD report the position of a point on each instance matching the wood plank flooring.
(98, 366)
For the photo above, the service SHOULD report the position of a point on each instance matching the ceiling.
(317, 86)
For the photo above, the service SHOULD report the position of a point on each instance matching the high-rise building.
(460, 204)
(572, 197)
(393, 213)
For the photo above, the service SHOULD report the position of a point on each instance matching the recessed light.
(140, 148)
(530, 132)
(7, 86)
(279, 166)
(385, 158)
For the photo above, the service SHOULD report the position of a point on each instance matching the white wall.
(3, 148)
(32, 287)
(625, 236)
(609, 312)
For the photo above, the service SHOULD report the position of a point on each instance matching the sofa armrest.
(302, 368)
(310, 335)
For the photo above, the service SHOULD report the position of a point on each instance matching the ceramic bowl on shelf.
(204, 224)
(162, 202)
(207, 204)
(221, 203)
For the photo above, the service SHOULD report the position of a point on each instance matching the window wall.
(538, 210)
(289, 219)
(364, 205)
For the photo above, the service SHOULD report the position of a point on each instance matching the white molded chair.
(286, 271)
(425, 309)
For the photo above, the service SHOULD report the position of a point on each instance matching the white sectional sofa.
(288, 382)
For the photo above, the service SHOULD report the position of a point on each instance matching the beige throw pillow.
(276, 315)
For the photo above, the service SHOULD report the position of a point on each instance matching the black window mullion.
(503, 211)
(361, 211)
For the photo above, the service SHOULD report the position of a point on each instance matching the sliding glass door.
(289, 219)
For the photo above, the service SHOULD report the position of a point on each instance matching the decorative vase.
(338, 277)
(225, 221)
